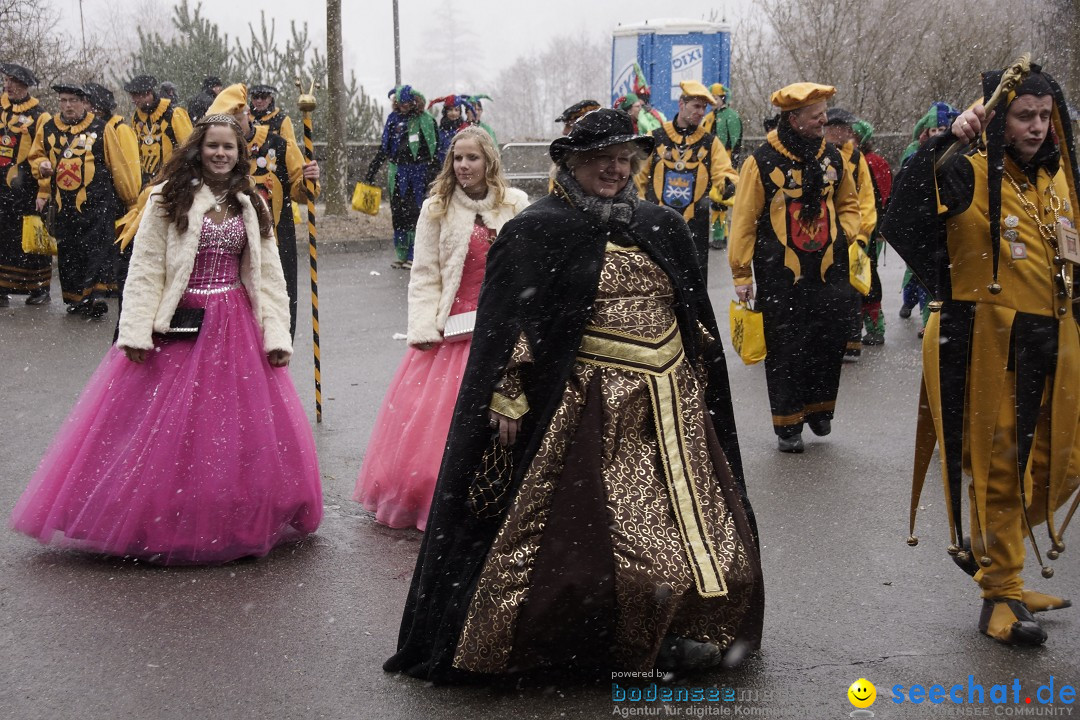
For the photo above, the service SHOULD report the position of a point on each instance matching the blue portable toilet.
(669, 51)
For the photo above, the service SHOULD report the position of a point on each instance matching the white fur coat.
(442, 243)
(161, 264)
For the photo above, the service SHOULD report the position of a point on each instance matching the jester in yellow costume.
(20, 117)
(796, 211)
(988, 232)
(689, 168)
(84, 183)
(160, 126)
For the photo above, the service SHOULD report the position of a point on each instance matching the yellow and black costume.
(273, 116)
(1001, 355)
(19, 122)
(859, 170)
(89, 177)
(159, 132)
(277, 167)
(687, 172)
(796, 210)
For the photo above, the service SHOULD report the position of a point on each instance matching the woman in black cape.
(619, 535)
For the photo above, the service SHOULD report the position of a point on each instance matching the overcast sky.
(503, 29)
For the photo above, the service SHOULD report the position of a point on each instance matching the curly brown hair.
(182, 176)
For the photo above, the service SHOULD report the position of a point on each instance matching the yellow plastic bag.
(296, 214)
(747, 333)
(36, 240)
(366, 198)
(859, 268)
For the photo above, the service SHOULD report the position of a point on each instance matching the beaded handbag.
(459, 327)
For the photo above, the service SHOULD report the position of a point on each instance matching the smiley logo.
(862, 693)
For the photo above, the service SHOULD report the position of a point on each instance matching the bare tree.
(534, 90)
(451, 58)
(28, 36)
(889, 59)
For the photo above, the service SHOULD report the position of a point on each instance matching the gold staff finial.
(306, 101)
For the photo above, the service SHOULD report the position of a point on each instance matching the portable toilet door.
(668, 52)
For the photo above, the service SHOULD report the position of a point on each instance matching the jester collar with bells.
(75, 167)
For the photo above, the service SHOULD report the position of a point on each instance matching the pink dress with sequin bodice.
(202, 454)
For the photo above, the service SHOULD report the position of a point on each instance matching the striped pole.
(306, 103)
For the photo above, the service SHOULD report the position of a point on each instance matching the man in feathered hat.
(991, 235)
(796, 210)
(410, 141)
(21, 115)
(159, 125)
(689, 167)
(476, 102)
(78, 162)
(453, 120)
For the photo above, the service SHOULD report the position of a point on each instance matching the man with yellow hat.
(796, 210)
(689, 167)
(992, 235)
(725, 124)
(279, 171)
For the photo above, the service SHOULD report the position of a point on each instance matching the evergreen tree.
(198, 48)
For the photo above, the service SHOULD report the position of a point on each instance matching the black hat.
(599, 129)
(141, 84)
(839, 116)
(262, 90)
(72, 89)
(211, 81)
(18, 72)
(100, 97)
(577, 110)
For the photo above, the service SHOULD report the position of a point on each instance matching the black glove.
(729, 189)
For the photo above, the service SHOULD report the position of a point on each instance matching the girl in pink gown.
(187, 451)
(468, 205)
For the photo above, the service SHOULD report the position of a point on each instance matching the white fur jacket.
(161, 264)
(442, 243)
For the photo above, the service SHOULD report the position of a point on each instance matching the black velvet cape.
(542, 278)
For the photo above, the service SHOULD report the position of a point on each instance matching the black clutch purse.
(489, 492)
(185, 324)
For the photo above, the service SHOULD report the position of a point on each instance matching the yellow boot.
(1041, 602)
(1009, 622)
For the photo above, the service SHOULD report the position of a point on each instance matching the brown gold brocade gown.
(593, 565)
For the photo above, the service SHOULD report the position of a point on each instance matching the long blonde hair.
(442, 189)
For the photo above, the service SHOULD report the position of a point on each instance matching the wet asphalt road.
(302, 633)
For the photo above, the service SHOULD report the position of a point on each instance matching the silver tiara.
(218, 119)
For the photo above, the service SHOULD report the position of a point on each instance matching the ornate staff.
(1013, 76)
(307, 104)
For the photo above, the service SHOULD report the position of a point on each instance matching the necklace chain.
(1047, 231)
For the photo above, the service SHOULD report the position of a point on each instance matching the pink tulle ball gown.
(401, 464)
(200, 455)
